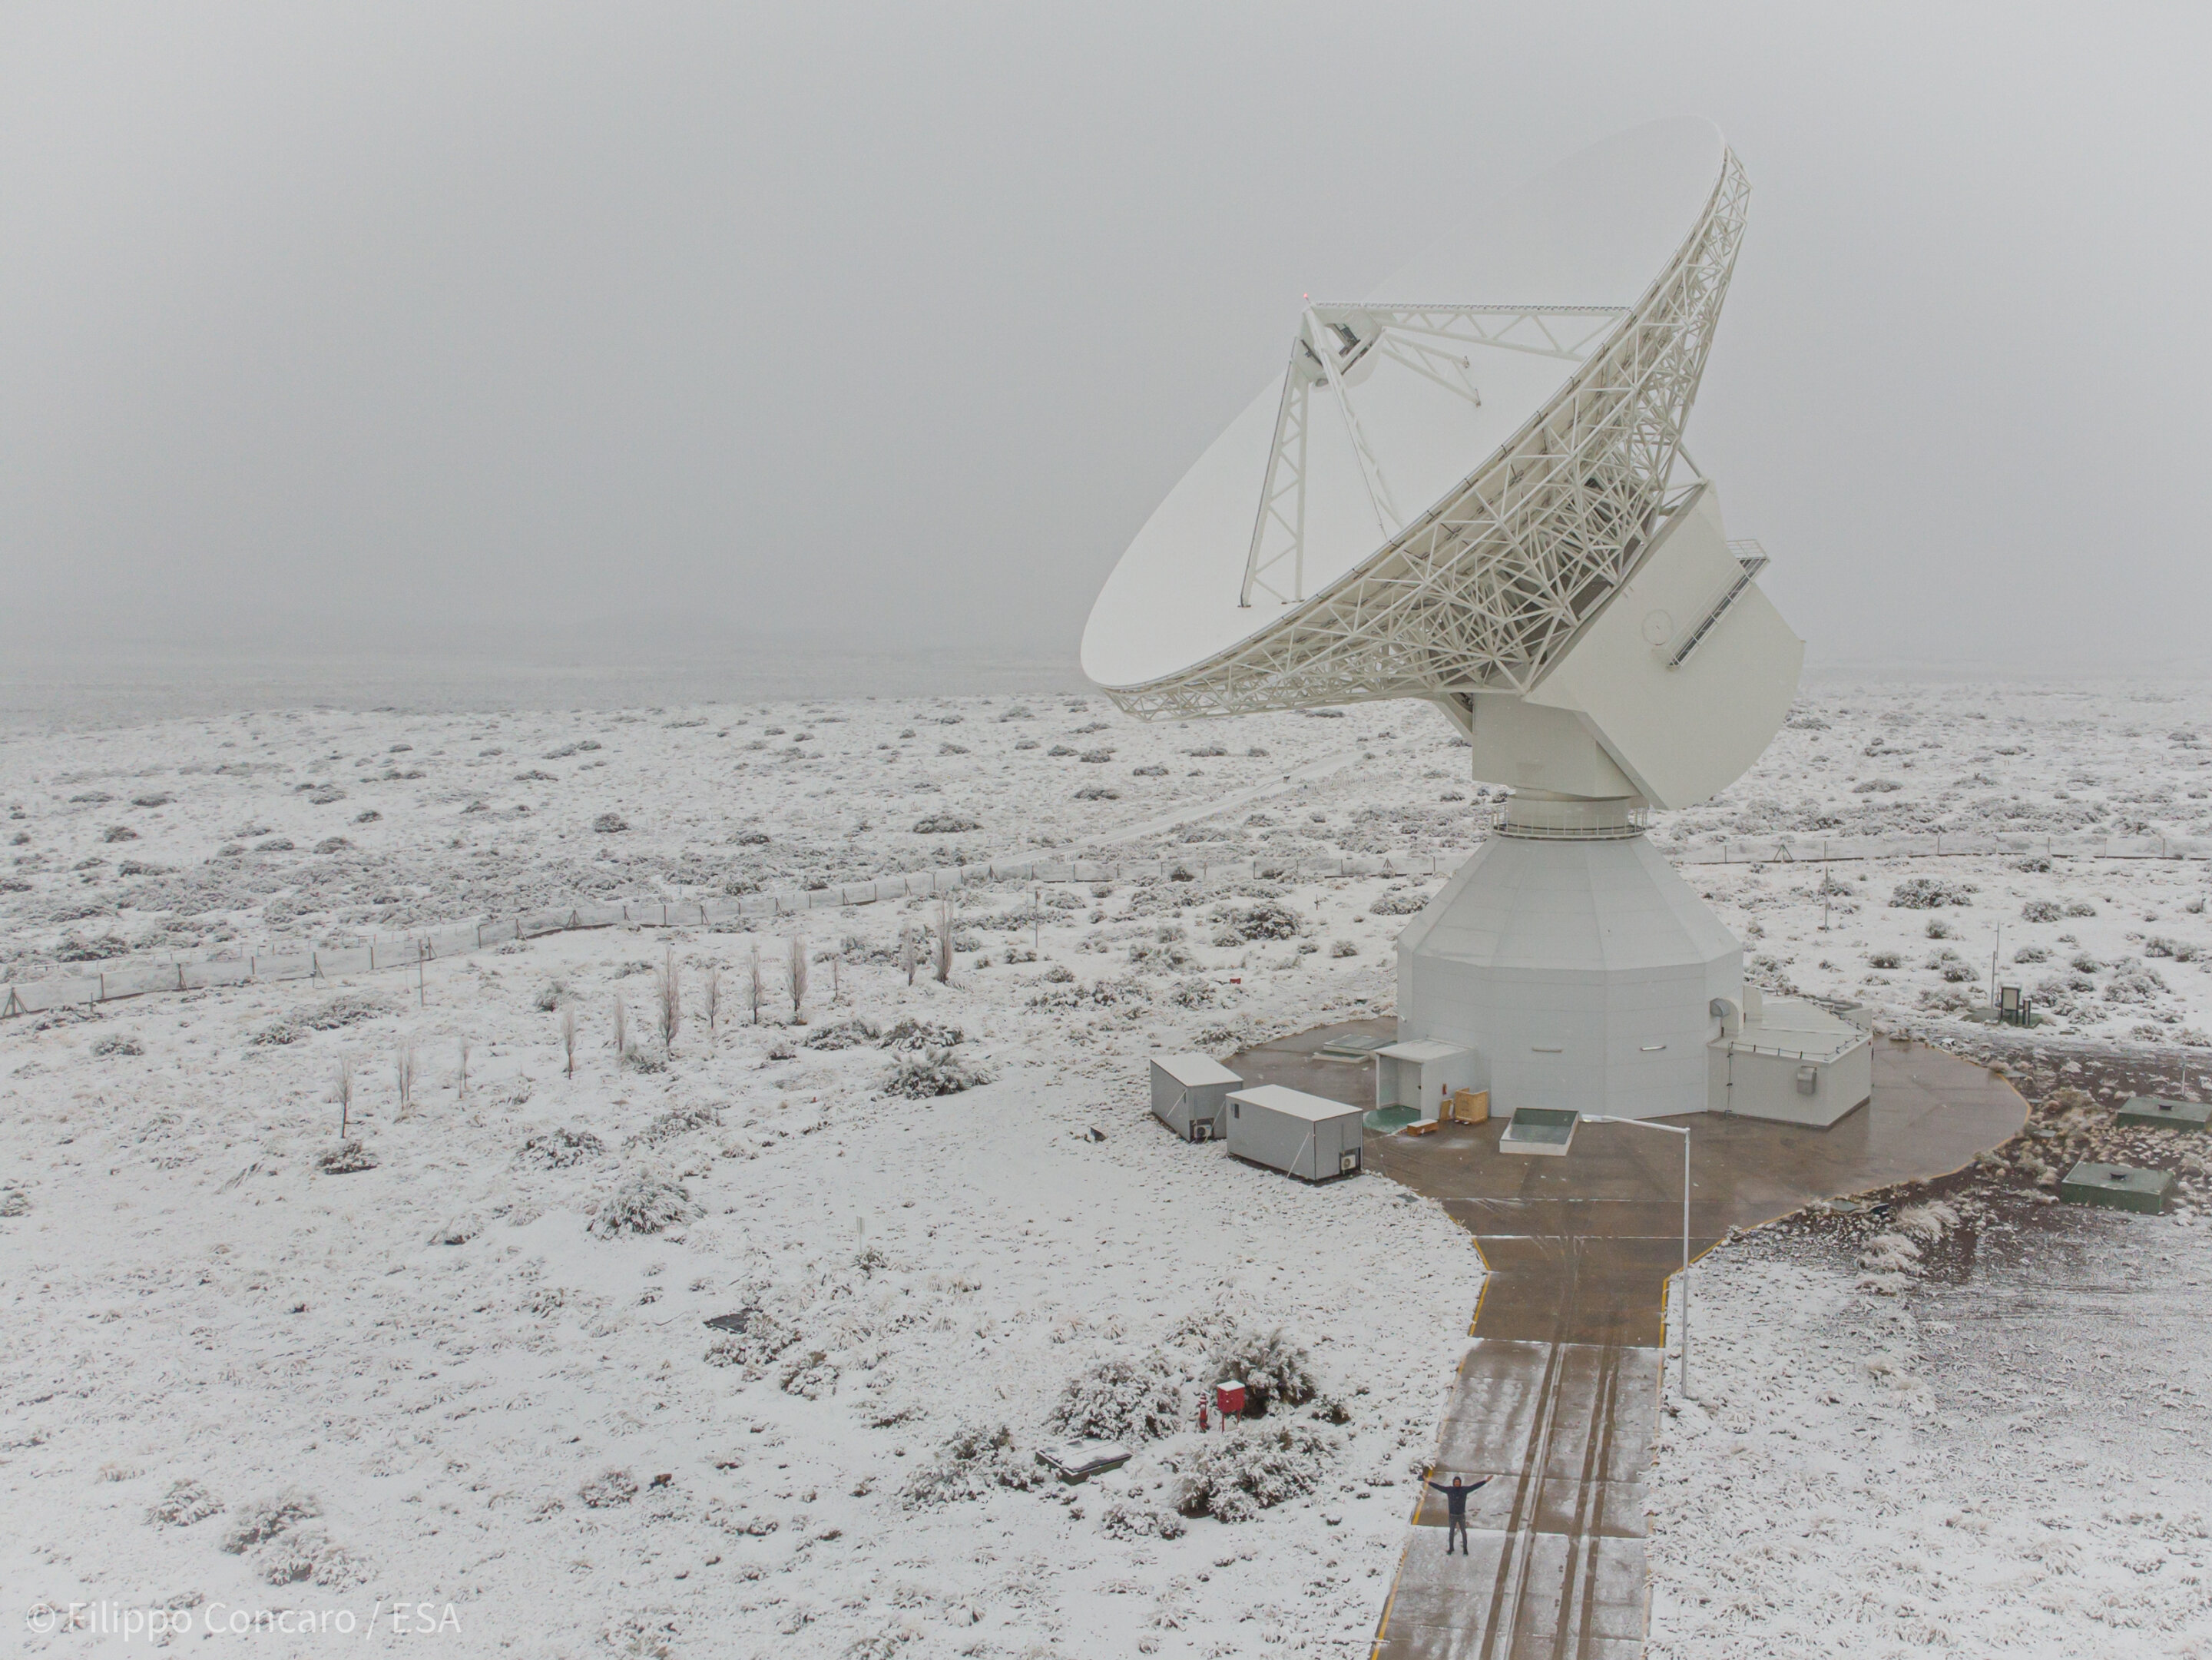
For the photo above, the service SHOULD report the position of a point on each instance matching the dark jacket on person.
(1455, 1494)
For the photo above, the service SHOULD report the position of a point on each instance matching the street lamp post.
(1682, 1130)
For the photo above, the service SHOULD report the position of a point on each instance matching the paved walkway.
(1556, 1398)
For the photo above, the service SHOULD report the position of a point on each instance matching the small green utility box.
(2148, 1111)
(2117, 1187)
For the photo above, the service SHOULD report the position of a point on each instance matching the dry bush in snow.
(1927, 892)
(186, 1503)
(912, 1034)
(1269, 1362)
(644, 1201)
(308, 1553)
(558, 1149)
(970, 1463)
(347, 1158)
(258, 1523)
(844, 1035)
(1122, 1397)
(609, 1489)
(1235, 1476)
(934, 1073)
(677, 1120)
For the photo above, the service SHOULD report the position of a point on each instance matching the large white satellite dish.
(1471, 488)
(1453, 477)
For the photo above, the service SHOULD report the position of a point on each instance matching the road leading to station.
(1557, 1399)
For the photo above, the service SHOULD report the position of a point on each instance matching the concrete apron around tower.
(1556, 1400)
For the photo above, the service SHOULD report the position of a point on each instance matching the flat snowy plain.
(472, 1400)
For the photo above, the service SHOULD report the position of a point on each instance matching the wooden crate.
(1470, 1106)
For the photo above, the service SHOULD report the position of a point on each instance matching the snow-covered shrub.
(2080, 907)
(934, 1073)
(347, 1158)
(1265, 920)
(1097, 793)
(119, 833)
(122, 1043)
(970, 1463)
(1877, 787)
(1096, 756)
(1272, 1365)
(2133, 983)
(609, 823)
(1121, 1397)
(1927, 1223)
(548, 996)
(2031, 954)
(186, 1503)
(1132, 1518)
(1194, 993)
(2157, 945)
(332, 844)
(1406, 902)
(265, 1520)
(912, 1033)
(945, 824)
(458, 1231)
(2041, 910)
(1939, 929)
(755, 1347)
(844, 1035)
(309, 1553)
(810, 1375)
(347, 1009)
(91, 948)
(1342, 948)
(645, 1201)
(609, 1489)
(1890, 1253)
(677, 1120)
(1153, 771)
(1927, 892)
(1883, 959)
(557, 1149)
(1235, 1476)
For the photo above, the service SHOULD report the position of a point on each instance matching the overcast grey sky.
(370, 325)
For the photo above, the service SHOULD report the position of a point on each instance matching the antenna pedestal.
(1573, 958)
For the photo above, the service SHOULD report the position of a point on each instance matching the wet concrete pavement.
(1556, 1400)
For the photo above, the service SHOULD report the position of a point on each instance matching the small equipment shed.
(1422, 1072)
(1188, 1092)
(1287, 1129)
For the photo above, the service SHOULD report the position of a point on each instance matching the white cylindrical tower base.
(1571, 955)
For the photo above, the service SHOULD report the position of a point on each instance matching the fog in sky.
(347, 327)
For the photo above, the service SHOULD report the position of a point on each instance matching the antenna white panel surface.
(1595, 231)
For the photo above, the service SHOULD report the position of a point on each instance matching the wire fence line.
(139, 979)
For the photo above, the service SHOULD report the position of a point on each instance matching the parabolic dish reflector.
(1451, 477)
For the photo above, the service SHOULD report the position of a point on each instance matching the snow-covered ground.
(2009, 1458)
(477, 1394)
(324, 827)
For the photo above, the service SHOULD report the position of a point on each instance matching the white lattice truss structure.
(1483, 591)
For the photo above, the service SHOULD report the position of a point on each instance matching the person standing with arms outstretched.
(1456, 1503)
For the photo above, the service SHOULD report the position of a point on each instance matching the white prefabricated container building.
(1420, 1073)
(1288, 1130)
(1189, 1094)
